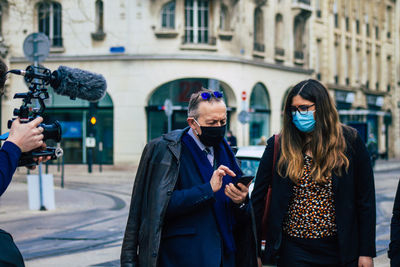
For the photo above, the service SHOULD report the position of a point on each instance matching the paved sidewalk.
(14, 206)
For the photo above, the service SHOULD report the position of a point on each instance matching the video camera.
(66, 81)
(38, 78)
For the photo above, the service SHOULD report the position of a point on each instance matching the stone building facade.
(151, 51)
(355, 51)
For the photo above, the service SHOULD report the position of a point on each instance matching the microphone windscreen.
(77, 83)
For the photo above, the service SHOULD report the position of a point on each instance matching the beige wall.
(150, 60)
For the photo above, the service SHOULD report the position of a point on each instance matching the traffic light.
(93, 120)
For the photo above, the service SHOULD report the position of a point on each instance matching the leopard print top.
(311, 212)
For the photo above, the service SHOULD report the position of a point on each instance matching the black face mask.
(211, 136)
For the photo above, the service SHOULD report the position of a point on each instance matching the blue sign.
(117, 49)
(71, 129)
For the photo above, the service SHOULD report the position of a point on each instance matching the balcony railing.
(299, 55)
(279, 51)
(259, 47)
(210, 41)
(306, 2)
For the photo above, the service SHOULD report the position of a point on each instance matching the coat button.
(169, 193)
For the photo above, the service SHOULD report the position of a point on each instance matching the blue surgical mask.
(306, 122)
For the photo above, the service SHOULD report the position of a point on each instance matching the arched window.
(279, 35)
(168, 15)
(224, 18)
(49, 21)
(258, 30)
(259, 114)
(178, 92)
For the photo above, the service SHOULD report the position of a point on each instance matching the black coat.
(154, 183)
(394, 246)
(354, 198)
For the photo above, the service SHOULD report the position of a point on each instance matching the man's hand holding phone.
(238, 192)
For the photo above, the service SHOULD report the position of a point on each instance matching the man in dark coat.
(394, 246)
(185, 209)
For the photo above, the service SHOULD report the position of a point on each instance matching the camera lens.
(51, 131)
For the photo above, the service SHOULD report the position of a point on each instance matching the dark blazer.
(150, 225)
(394, 246)
(354, 198)
(190, 235)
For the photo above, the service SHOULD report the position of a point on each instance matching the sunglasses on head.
(208, 95)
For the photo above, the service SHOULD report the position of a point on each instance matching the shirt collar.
(198, 142)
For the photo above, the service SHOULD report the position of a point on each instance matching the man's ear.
(192, 124)
(190, 121)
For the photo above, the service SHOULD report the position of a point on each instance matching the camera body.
(37, 78)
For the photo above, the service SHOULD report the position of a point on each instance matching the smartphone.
(245, 180)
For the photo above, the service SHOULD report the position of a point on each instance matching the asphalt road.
(87, 227)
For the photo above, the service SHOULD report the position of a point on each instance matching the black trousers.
(304, 252)
(9, 253)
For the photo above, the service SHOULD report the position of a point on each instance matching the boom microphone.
(72, 82)
(79, 83)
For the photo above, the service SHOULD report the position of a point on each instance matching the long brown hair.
(327, 143)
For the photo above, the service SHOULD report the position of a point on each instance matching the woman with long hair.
(322, 206)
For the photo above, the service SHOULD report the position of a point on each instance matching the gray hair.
(195, 100)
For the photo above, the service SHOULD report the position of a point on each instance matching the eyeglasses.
(302, 109)
(207, 95)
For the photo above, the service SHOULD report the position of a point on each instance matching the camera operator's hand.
(40, 159)
(27, 136)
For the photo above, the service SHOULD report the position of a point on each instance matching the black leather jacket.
(154, 183)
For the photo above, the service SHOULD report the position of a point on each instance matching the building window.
(99, 16)
(369, 69)
(335, 14)
(358, 26)
(366, 25)
(258, 30)
(279, 35)
(318, 59)
(348, 66)
(49, 15)
(357, 65)
(389, 72)
(347, 19)
(197, 21)
(224, 19)
(378, 70)
(299, 30)
(168, 16)
(335, 64)
(318, 8)
(99, 34)
(389, 21)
